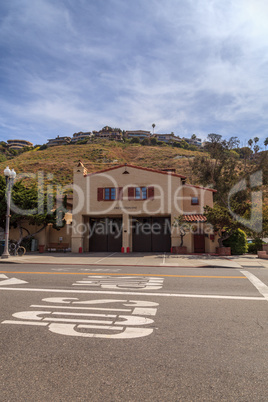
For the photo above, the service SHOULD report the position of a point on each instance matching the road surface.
(98, 333)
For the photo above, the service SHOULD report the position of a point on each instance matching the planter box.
(265, 247)
(263, 254)
(223, 251)
(179, 250)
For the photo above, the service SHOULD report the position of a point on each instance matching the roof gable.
(137, 167)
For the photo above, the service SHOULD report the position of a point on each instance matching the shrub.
(82, 142)
(2, 157)
(176, 144)
(44, 146)
(145, 141)
(135, 140)
(255, 246)
(238, 242)
(252, 248)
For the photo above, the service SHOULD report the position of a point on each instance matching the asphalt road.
(78, 333)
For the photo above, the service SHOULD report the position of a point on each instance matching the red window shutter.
(150, 193)
(100, 194)
(120, 193)
(131, 193)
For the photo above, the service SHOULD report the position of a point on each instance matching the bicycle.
(16, 249)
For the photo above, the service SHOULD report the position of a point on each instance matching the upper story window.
(109, 193)
(140, 193)
(195, 201)
(116, 193)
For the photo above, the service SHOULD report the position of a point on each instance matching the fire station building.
(129, 208)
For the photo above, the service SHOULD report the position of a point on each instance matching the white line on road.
(259, 285)
(110, 255)
(135, 293)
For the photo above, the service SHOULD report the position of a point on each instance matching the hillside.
(61, 160)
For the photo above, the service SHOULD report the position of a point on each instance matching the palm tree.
(266, 142)
(153, 125)
(250, 142)
(256, 148)
(256, 139)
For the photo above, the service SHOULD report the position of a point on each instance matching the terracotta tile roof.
(194, 218)
(202, 188)
(137, 167)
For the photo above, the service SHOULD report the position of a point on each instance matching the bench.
(58, 247)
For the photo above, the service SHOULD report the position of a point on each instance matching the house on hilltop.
(193, 141)
(81, 136)
(167, 138)
(109, 133)
(140, 134)
(58, 141)
(18, 144)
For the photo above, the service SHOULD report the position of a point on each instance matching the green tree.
(266, 142)
(245, 154)
(218, 169)
(233, 142)
(24, 209)
(238, 242)
(222, 221)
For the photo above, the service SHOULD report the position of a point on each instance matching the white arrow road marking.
(11, 281)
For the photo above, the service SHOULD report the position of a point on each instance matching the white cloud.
(189, 66)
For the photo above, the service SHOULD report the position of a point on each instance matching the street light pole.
(10, 176)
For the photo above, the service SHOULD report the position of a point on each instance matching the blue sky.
(188, 66)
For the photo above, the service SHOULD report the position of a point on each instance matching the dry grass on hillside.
(60, 161)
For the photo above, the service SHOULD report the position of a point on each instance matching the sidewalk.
(139, 259)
